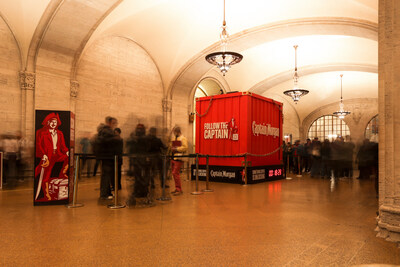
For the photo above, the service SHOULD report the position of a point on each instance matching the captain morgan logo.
(262, 129)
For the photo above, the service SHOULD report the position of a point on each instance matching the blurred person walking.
(10, 148)
(365, 159)
(338, 156)
(326, 164)
(298, 151)
(284, 157)
(85, 149)
(156, 149)
(95, 151)
(130, 147)
(289, 153)
(316, 157)
(106, 148)
(348, 157)
(141, 167)
(178, 147)
(307, 157)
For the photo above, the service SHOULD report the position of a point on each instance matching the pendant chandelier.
(341, 113)
(224, 59)
(296, 92)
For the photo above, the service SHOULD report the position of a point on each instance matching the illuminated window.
(372, 129)
(328, 127)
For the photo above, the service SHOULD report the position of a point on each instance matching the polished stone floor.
(298, 222)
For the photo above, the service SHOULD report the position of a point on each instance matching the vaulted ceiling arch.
(188, 76)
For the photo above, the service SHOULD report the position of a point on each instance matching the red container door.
(220, 129)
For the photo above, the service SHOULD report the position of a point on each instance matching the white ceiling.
(178, 32)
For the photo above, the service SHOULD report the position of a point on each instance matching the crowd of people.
(17, 154)
(145, 159)
(321, 159)
(328, 159)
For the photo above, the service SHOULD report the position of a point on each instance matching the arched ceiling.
(324, 89)
(23, 17)
(333, 36)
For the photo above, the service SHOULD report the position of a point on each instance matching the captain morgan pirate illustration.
(50, 148)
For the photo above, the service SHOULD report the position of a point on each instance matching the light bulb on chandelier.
(341, 113)
(296, 93)
(224, 59)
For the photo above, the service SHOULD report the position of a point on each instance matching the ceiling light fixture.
(224, 59)
(296, 92)
(341, 113)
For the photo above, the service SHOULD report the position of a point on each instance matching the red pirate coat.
(44, 144)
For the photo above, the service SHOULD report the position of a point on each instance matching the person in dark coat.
(307, 157)
(96, 153)
(348, 157)
(141, 167)
(326, 159)
(316, 158)
(156, 148)
(289, 157)
(130, 148)
(337, 156)
(365, 160)
(298, 153)
(284, 157)
(106, 144)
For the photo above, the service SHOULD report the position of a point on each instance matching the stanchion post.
(245, 169)
(188, 170)
(164, 180)
(197, 192)
(75, 193)
(116, 205)
(207, 177)
(287, 169)
(287, 164)
(299, 166)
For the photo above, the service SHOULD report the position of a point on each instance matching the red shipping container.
(239, 123)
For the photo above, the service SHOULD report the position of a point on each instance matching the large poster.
(52, 156)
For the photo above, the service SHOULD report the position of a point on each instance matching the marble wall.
(118, 78)
(10, 92)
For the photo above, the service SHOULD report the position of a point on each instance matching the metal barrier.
(116, 204)
(299, 166)
(75, 193)
(197, 192)
(164, 176)
(207, 177)
(164, 197)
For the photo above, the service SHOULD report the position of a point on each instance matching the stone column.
(74, 87)
(389, 120)
(167, 117)
(27, 85)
